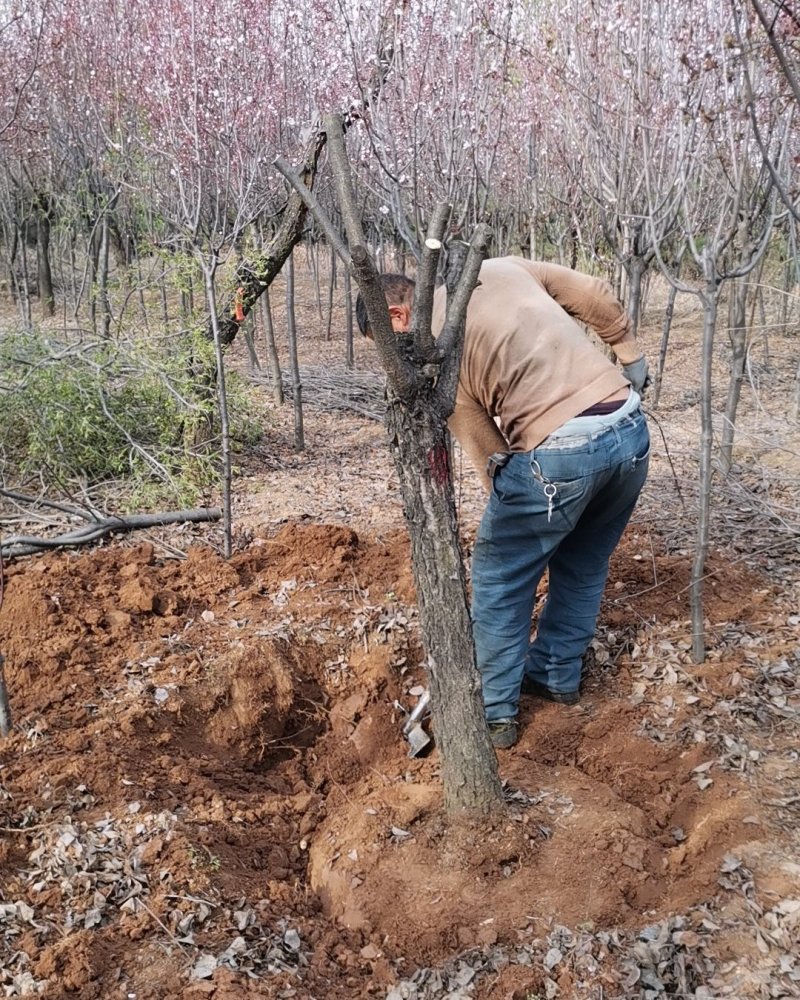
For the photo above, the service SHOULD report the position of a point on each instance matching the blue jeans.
(564, 506)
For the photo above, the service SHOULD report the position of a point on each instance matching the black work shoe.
(503, 733)
(530, 686)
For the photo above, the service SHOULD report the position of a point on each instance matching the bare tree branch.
(777, 48)
(251, 279)
(399, 371)
(451, 339)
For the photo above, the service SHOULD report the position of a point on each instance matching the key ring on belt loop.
(550, 489)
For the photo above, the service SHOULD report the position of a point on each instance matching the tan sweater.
(526, 362)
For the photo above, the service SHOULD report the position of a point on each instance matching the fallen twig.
(25, 545)
(65, 508)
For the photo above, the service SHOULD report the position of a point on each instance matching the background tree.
(727, 213)
(545, 124)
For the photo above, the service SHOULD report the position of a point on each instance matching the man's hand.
(636, 372)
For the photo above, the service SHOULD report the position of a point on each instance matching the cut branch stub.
(426, 282)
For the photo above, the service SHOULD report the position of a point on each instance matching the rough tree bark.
(422, 376)
(291, 336)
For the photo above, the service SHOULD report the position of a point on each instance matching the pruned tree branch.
(426, 281)
(312, 204)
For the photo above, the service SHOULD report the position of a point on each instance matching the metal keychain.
(550, 490)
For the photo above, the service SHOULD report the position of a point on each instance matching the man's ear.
(400, 316)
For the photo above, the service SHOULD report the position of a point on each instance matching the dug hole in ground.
(207, 792)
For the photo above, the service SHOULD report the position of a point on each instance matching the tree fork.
(421, 383)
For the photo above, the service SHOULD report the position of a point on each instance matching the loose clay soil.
(206, 792)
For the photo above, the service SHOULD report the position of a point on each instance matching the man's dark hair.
(399, 291)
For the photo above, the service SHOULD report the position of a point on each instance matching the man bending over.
(557, 431)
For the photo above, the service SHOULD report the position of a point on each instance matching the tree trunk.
(291, 332)
(13, 284)
(209, 275)
(313, 260)
(102, 278)
(272, 350)
(420, 400)
(669, 312)
(73, 269)
(636, 269)
(91, 272)
(331, 287)
(252, 354)
(791, 275)
(418, 442)
(162, 287)
(737, 331)
(709, 299)
(24, 284)
(140, 292)
(348, 320)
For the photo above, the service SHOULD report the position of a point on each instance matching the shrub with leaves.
(93, 412)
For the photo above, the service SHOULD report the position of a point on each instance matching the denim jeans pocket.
(511, 483)
(560, 502)
(507, 487)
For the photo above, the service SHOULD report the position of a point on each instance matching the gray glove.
(637, 373)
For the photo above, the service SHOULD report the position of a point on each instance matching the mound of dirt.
(604, 827)
(221, 741)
